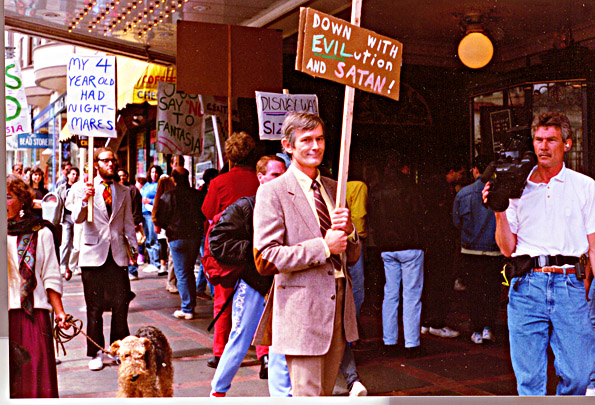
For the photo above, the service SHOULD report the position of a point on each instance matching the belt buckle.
(542, 261)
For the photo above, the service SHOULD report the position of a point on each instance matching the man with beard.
(103, 257)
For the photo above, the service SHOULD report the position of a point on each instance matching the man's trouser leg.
(316, 375)
(184, 252)
(412, 270)
(279, 382)
(66, 245)
(248, 306)
(223, 324)
(390, 303)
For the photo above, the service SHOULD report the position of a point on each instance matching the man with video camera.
(547, 232)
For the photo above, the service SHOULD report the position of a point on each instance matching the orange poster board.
(336, 50)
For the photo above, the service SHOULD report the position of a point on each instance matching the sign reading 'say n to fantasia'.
(333, 49)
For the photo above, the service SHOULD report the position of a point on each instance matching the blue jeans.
(357, 277)
(247, 309)
(183, 254)
(279, 382)
(548, 308)
(406, 266)
(151, 244)
(201, 279)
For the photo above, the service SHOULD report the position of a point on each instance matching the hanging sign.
(272, 108)
(91, 86)
(18, 120)
(336, 50)
(146, 86)
(180, 121)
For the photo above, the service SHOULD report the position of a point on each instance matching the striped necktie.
(324, 219)
(107, 196)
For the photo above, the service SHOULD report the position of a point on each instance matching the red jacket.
(225, 189)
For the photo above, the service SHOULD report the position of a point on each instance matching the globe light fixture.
(476, 50)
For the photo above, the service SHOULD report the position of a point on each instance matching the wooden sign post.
(91, 177)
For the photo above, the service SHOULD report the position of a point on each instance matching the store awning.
(65, 134)
(137, 81)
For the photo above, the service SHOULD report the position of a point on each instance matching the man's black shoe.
(390, 351)
(213, 362)
(414, 352)
(264, 367)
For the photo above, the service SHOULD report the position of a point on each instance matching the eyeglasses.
(114, 161)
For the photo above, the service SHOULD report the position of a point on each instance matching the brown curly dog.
(144, 357)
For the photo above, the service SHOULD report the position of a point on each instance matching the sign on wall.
(272, 108)
(35, 141)
(180, 121)
(18, 120)
(336, 50)
(91, 86)
(146, 86)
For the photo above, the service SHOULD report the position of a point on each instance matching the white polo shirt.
(554, 218)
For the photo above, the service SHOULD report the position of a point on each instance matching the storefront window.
(495, 113)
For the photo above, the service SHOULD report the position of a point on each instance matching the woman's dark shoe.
(264, 367)
(213, 362)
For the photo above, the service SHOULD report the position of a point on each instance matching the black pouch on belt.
(516, 267)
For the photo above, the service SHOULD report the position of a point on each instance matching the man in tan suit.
(301, 237)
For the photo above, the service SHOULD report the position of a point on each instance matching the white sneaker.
(425, 330)
(487, 334)
(358, 390)
(133, 277)
(149, 268)
(445, 332)
(96, 363)
(590, 392)
(178, 313)
(476, 338)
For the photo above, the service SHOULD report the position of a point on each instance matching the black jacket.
(179, 213)
(230, 242)
(396, 215)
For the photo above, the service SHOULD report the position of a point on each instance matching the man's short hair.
(99, 151)
(553, 119)
(299, 121)
(65, 163)
(261, 165)
(180, 176)
(17, 165)
(481, 162)
(76, 169)
(239, 148)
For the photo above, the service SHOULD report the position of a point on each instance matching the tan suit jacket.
(105, 231)
(300, 309)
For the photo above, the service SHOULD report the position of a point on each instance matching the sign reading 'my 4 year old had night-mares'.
(91, 84)
(333, 49)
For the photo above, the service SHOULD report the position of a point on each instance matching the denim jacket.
(476, 222)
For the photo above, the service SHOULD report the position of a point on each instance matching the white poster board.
(18, 120)
(91, 86)
(180, 121)
(272, 108)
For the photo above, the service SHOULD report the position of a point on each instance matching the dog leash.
(61, 336)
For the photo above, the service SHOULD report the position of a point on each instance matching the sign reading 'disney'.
(91, 86)
(180, 121)
(18, 120)
(333, 49)
(272, 108)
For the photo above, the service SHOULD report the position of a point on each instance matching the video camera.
(508, 174)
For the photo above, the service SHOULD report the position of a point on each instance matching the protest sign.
(18, 120)
(180, 121)
(333, 49)
(91, 86)
(272, 108)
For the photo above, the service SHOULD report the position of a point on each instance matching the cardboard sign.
(18, 120)
(272, 108)
(91, 87)
(180, 121)
(336, 50)
(35, 141)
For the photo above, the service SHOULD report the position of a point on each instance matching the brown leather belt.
(557, 270)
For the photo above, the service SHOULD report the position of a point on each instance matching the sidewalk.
(448, 367)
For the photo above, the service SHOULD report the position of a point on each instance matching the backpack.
(216, 272)
(52, 208)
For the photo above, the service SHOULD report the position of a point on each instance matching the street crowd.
(283, 262)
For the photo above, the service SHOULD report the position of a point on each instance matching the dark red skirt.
(38, 377)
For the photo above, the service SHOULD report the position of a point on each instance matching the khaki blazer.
(104, 232)
(299, 312)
